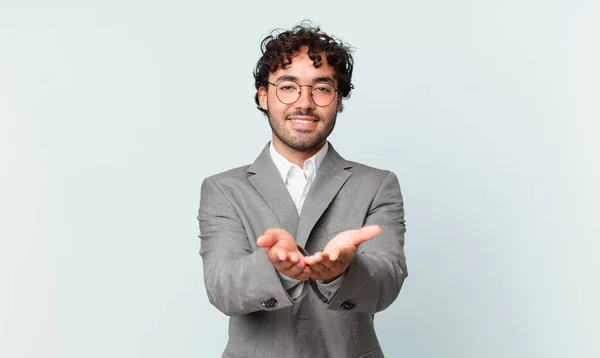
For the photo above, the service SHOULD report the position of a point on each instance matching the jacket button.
(270, 303)
(347, 305)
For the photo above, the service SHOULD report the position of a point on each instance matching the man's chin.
(303, 131)
(305, 146)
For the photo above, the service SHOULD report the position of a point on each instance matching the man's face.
(301, 126)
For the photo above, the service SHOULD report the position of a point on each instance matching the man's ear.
(262, 98)
(339, 104)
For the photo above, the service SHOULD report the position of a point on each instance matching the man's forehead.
(315, 79)
(302, 56)
(302, 65)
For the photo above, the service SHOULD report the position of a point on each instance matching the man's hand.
(282, 251)
(331, 263)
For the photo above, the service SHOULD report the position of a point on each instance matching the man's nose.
(305, 100)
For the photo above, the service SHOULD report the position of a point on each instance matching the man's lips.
(302, 119)
(303, 123)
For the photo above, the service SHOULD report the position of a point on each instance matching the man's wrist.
(332, 279)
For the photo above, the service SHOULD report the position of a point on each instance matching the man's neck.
(295, 156)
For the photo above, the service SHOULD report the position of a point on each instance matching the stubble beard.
(301, 140)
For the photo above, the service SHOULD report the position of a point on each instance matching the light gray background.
(112, 113)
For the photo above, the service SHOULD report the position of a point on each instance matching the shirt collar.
(283, 165)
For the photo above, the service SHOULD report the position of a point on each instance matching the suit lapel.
(328, 182)
(269, 184)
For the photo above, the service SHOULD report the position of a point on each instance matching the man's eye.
(287, 88)
(323, 89)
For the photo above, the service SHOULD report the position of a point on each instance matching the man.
(302, 247)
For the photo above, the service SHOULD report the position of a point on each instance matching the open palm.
(337, 255)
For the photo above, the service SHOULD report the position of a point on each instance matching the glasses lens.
(323, 94)
(288, 92)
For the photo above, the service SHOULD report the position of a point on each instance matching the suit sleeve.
(375, 276)
(238, 278)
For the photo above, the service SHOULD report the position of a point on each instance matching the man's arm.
(238, 278)
(377, 267)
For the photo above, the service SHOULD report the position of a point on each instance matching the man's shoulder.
(369, 171)
(235, 173)
(357, 168)
(367, 179)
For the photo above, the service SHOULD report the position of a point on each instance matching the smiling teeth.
(302, 121)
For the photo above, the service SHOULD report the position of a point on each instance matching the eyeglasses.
(288, 92)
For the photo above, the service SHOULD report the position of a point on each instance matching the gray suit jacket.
(238, 206)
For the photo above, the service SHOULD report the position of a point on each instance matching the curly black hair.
(281, 46)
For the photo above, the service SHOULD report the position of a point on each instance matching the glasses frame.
(300, 92)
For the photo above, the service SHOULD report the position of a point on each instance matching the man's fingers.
(266, 241)
(295, 270)
(303, 276)
(276, 254)
(330, 256)
(334, 254)
(285, 266)
(319, 269)
(311, 260)
(339, 252)
(325, 266)
(282, 256)
(366, 233)
(271, 236)
(291, 264)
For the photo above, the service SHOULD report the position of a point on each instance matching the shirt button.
(270, 303)
(347, 305)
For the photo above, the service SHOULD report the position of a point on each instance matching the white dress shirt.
(298, 182)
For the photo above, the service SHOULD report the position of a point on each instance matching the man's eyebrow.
(287, 78)
(323, 79)
(295, 79)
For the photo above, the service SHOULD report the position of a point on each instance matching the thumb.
(264, 241)
(366, 233)
(270, 237)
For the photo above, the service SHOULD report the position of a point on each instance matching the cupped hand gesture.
(337, 255)
(282, 251)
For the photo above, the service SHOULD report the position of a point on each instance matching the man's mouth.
(303, 119)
